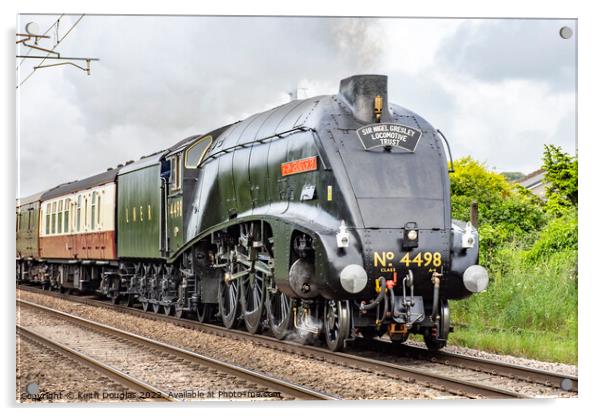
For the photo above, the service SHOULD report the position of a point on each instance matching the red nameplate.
(298, 166)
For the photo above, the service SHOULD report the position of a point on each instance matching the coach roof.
(29, 199)
(75, 186)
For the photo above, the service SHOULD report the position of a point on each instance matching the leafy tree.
(507, 212)
(500, 202)
(513, 176)
(561, 180)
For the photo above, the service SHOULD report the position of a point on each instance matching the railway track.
(127, 381)
(453, 385)
(175, 358)
(564, 382)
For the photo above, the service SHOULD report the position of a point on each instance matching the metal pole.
(474, 214)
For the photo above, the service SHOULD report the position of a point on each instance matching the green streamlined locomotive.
(329, 215)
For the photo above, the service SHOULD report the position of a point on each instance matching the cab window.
(176, 170)
(196, 152)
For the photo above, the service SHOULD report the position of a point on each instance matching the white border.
(589, 33)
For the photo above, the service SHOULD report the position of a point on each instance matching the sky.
(499, 89)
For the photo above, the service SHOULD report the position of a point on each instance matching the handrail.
(451, 159)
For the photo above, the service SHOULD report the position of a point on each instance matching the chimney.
(360, 91)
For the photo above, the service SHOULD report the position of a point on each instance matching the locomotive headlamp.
(343, 236)
(468, 237)
(476, 278)
(354, 278)
(410, 236)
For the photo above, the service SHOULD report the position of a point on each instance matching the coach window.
(85, 213)
(93, 212)
(53, 219)
(18, 221)
(47, 219)
(196, 152)
(29, 220)
(66, 215)
(59, 215)
(175, 178)
(98, 211)
(79, 212)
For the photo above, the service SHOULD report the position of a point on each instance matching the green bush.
(561, 180)
(560, 235)
(530, 249)
(507, 212)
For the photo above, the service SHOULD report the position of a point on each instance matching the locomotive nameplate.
(389, 135)
(299, 166)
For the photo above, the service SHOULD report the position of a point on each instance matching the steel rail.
(283, 386)
(565, 382)
(397, 371)
(512, 371)
(114, 374)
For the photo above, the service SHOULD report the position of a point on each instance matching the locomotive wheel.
(438, 341)
(252, 300)
(127, 300)
(114, 292)
(156, 307)
(278, 307)
(228, 302)
(337, 323)
(204, 312)
(168, 309)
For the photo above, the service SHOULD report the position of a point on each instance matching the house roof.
(532, 178)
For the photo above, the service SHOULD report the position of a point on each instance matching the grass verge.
(530, 307)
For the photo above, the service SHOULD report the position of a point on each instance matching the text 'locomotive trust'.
(389, 135)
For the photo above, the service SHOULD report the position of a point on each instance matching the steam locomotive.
(328, 216)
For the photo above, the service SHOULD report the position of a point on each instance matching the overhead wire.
(56, 23)
(48, 54)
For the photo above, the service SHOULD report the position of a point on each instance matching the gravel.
(50, 377)
(561, 368)
(171, 374)
(347, 383)
(523, 387)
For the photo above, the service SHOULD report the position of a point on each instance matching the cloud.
(498, 50)
(506, 124)
(161, 79)
(494, 87)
